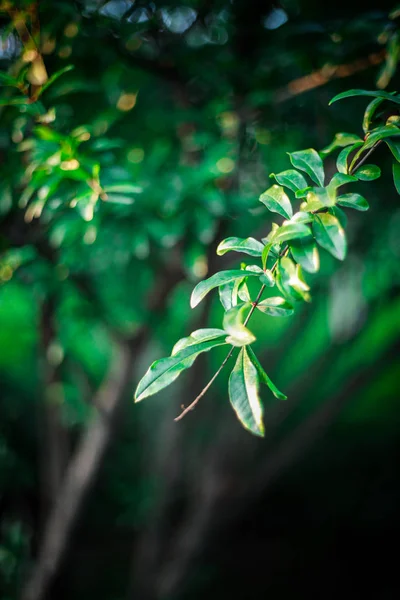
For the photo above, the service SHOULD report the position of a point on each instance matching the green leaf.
(303, 193)
(394, 147)
(396, 176)
(264, 256)
(228, 294)
(7, 80)
(243, 394)
(263, 376)
(123, 188)
(291, 179)
(373, 94)
(247, 246)
(353, 201)
(200, 335)
(276, 307)
(164, 371)
(302, 217)
(380, 133)
(368, 172)
(290, 281)
(305, 252)
(277, 201)
(337, 212)
(239, 335)
(339, 141)
(326, 196)
(370, 112)
(310, 162)
(330, 235)
(221, 278)
(340, 179)
(290, 231)
(54, 78)
(341, 162)
(267, 278)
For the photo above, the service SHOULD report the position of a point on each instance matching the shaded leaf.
(263, 376)
(340, 179)
(355, 201)
(305, 252)
(394, 146)
(339, 141)
(373, 94)
(267, 278)
(330, 235)
(368, 172)
(243, 394)
(370, 112)
(396, 176)
(341, 162)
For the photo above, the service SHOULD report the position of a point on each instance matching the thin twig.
(364, 158)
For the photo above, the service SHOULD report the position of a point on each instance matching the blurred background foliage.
(116, 185)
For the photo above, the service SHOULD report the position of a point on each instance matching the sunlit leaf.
(290, 281)
(291, 231)
(276, 307)
(239, 335)
(200, 335)
(277, 201)
(247, 246)
(243, 394)
(370, 112)
(291, 179)
(330, 235)
(164, 371)
(340, 141)
(340, 179)
(221, 278)
(310, 162)
(267, 278)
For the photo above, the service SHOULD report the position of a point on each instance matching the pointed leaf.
(305, 252)
(370, 112)
(310, 162)
(340, 179)
(247, 246)
(276, 307)
(164, 371)
(239, 335)
(291, 231)
(277, 201)
(396, 176)
(353, 201)
(380, 133)
(200, 335)
(221, 278)
(341, 162)
(264, 256)
(373, 94)
(330, 235)
(291, 179)
(394, 146)
(54, 77)
(267, 278)
(263, 376)
(290, 281)
(243, 394)
(340, 141)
